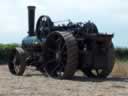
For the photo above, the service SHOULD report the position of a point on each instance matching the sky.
(110, 16)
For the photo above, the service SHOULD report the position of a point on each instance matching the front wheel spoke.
(16, 66)
(15, 63)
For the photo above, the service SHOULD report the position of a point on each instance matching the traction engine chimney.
(31, 20)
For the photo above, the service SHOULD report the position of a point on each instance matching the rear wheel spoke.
(51, 61)
(55, 69)
(58, 43)
(51, 50)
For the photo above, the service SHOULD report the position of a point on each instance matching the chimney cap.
(31, 7)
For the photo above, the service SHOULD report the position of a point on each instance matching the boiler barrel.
(32, 43)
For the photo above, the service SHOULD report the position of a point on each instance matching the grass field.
(120, 69)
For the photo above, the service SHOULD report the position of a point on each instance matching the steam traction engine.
(60, 50)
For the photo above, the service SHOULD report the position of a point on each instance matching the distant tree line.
(5, 49)
(121, 53)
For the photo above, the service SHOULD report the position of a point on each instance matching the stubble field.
(33, 83)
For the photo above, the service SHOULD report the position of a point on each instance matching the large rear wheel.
(108, 61)
(61, 55)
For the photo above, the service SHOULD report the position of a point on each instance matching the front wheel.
(17, 62)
